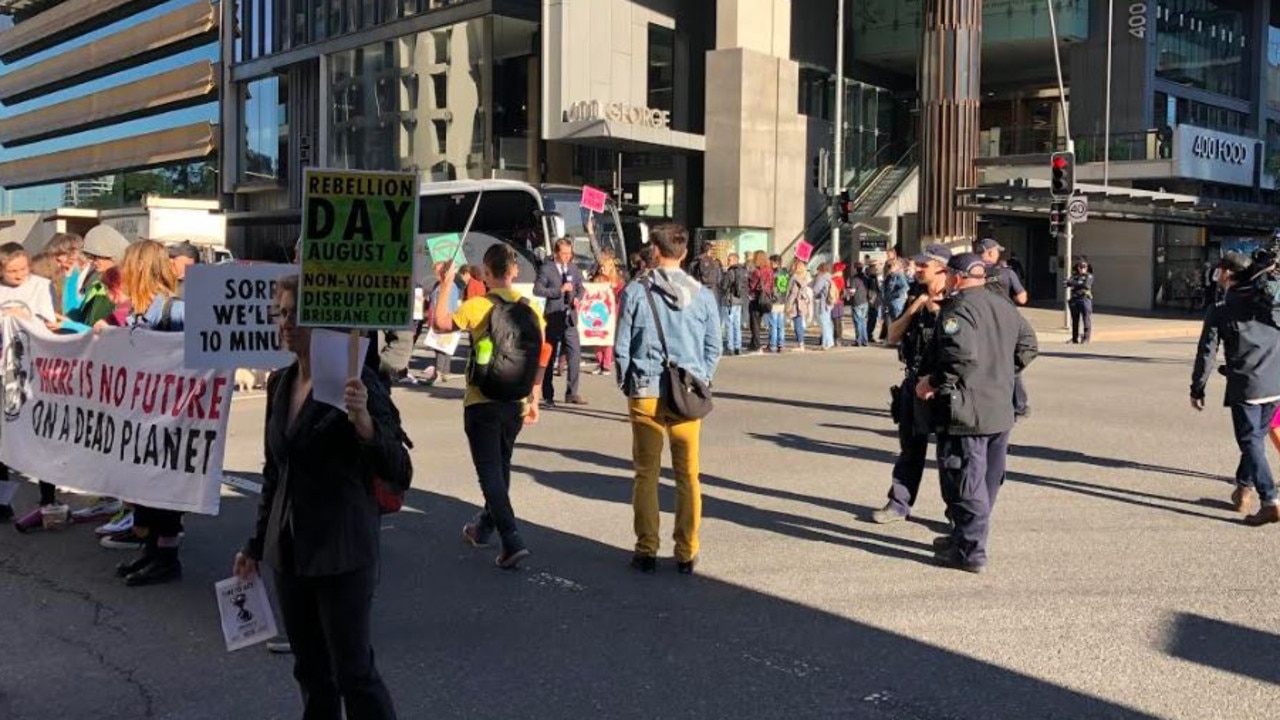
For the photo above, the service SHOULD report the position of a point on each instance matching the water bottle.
(484, 350)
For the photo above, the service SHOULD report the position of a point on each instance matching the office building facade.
(720, 115)
(98, 88)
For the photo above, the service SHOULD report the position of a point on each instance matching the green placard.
(358, 230)
(443, 248)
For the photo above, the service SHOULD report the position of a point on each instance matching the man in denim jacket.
(691, 323)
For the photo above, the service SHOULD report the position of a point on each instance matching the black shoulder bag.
(684, 393)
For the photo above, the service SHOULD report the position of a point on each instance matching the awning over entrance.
(628, 137)
(1031, 199)
(189, 142)
(186, 86)
(187, 27)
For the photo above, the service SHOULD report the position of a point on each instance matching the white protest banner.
(114, 414)
(229, 318)
(245, 612)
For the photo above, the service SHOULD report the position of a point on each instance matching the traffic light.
(844, 206)
(1057, 218)
(1062, 174)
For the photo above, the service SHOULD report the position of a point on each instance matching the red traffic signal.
(1062, 174)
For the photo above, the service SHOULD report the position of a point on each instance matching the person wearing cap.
(1003, 281)
(104, 248)
(1000, 278)
(1251, 343)
(1080, 301)
(980, 341)
(912, 332)
(182, 256)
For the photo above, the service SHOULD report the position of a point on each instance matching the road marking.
(546, 579)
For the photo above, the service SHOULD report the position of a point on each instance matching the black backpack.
(516, 335)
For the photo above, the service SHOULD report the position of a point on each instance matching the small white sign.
(447, 343)
(230, 321)
(245, 611)
(1078, 209)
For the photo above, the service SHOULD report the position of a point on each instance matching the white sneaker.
(101, 507)
(122, 521)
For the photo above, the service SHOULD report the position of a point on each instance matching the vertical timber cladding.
(358, 231)
(950, 93)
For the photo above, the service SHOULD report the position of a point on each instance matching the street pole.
(1071, 148)
(1066, 256)
(1106, 129)
(838, 154)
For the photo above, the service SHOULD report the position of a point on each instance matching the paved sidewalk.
(1110, 327)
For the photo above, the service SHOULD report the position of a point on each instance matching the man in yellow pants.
(690, 329)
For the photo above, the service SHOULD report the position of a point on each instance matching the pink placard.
(804, 251)
(593, 199)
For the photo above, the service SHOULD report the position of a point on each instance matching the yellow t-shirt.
(473, 317)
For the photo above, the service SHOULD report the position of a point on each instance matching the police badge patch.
(950, 326)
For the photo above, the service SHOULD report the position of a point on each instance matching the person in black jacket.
(1080, 301)
(980, 341)
(913, 332)
(560, 282)
(733, 296)
(1252, 345)
(318, 523)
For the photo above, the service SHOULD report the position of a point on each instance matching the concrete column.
(755, 167)
(950, 86)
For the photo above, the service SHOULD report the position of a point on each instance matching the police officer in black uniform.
(979, 343)
(1080, 301)
(1004, 281)
(912, 332)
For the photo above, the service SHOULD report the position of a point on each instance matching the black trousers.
(756, 323)
(913, 450)
(327, 619)
(1081, 313)
(563, 339)
(972, 469)
(492, 429)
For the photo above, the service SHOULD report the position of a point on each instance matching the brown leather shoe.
(1266, 515)
(1242, 498)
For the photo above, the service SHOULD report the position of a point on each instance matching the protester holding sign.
(152, 288)
(508, 361)
(318, 522)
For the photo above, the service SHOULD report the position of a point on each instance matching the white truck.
(173, 220)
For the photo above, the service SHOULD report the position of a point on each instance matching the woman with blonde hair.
(152, 288)
(608, 273)
(800, 301)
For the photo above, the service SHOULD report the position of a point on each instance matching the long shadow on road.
(574, 633)
(1126, 496)
(1061, 455)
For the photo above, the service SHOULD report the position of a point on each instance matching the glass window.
(515, 59)
(397, 107)
(1204, 44)
(662, 61)
(265, 132)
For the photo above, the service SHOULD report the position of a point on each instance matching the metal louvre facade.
(185, 86)
(79, 70)
(182, 29)
(190, 142)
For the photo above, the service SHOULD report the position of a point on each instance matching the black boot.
(129, 567)
(163, 567)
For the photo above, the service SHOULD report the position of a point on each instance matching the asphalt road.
(1121, 584)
